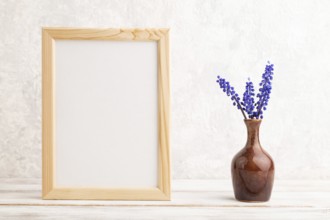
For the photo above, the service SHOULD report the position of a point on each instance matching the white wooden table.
(191, 199)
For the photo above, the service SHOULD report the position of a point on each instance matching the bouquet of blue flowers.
(253, 108)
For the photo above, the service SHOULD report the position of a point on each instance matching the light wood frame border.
(49, 189)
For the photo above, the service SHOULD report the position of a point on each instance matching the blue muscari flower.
(264, 91)
(248, 105)
(248, 98)
(230, 91)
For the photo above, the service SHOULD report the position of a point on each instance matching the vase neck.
(252, 133)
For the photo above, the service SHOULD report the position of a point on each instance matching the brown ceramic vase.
(252, 168)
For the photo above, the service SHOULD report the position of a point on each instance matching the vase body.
(252, 168)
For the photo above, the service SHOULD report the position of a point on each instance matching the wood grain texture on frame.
(49, 189)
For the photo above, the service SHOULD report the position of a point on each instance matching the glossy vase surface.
(252, 168)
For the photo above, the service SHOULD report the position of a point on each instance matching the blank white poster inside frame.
(105, 132)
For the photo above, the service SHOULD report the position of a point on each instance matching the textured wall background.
(232, 38)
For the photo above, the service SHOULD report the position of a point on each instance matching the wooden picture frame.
(50, 188)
